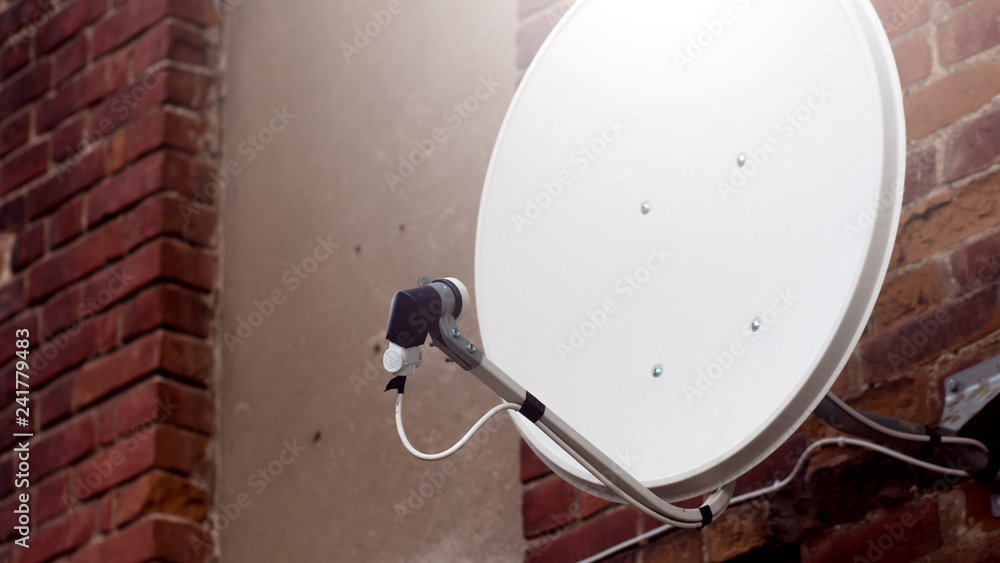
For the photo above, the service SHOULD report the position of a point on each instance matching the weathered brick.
(150, 540)
(6, 475)
(945, 220)
(14, 133)
(913, 59)
(145, 92)
(60, 535)
(67, 265)
(974, 148)
(586, 539)
(158, 352)
(168, 215)
(969, 31)
(118, 69)
(678, 546)
(126, 24)
(67, 22)
(948, 327)
(16, 13)
(904, 535)
(90, 87)
(69, 59)
(56, 402)
(948, 99)
(30, 244)
(160, 493)
(547, 504)
(63, 351)
(170, 259)
(900, 16)
(906, 296)
(162, 129)
(13, 57)
(126, 188)
(23, 166)
(50, 498)
(162, 401)
(24, 88)
(66, 223)
(77, 173)
(167, 306)
(62, 445)
(66, 139)
(11, 298)
(977, 264)
(738, 531)
(170, 40)
(12, 215)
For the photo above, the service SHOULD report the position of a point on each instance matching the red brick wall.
(108, 136)
(948, 52)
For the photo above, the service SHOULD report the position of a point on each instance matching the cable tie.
(706, 516)
(397, 383)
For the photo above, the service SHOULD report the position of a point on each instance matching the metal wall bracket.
(968, 393)
(995, 503)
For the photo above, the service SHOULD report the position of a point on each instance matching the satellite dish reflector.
(685, 224)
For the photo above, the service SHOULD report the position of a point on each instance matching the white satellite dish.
(685, 224)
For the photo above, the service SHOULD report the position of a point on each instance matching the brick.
(188, 89)
(975, 147)
(168, 215)
(167, 306)
(160, 493)
(157, 352)
(126, 188)
(116, 152)
(546, 505)
(23, 166)
(60, 535)
(66, 223)
(149, 540)
(978, 261)
(90, 87)
(900, 16)
(69, 59)
(63, 445)
(943, 102)
(775, 467)
(30, 244)
(143, 93)
(56, 402)
(162, 401)
(13, 57)
(67, 265)
(196, 11)
(739, 530)
(67, 138)
(17, 13)
(970, 31)
(11, 299)
(77, 173)
(6, 475)
(104, 518)
(586, 539)
(904, 535)
(12, 215)
(532, 467)
(127, 23)
(172, 260)
(66, 23)
(678, 546)
(106, 433)
(118, 69)
(64, 309)
(14, 133)
(590, 505)
(24, 89)
(907, 296)
(63, 352)
(948, 327)
(913, 59)
(945, 220)
(51, 497)
(977, 508)
(160, 447)
(168, 40)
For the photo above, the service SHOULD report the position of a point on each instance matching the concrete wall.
(302, 373)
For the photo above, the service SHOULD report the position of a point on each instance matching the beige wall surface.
(316, 242)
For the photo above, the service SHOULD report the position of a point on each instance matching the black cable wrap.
(532, 409)
(935, 433)
(706, 516)
(397, 383)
